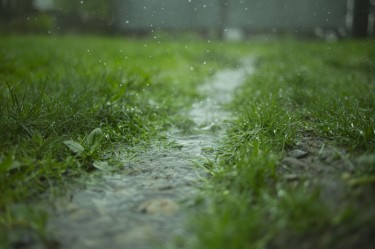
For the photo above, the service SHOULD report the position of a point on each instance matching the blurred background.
(226, 19)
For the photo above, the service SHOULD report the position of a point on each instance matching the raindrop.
(189, 1)
(204, 6)
(204, 63)
(82, 2)
(88, 50)
(191, 68)
(127, 21)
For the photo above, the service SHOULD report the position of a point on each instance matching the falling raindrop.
(82, 2)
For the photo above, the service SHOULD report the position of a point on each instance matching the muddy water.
(144, 206)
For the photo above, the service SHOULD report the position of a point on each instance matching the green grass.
(67, 103)
(299, 89)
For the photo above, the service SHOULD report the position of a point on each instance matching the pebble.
(158, 206)
(293, 162)
(291, 177)
(297, 154)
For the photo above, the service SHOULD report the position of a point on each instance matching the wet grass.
(67, 104)
(301, 91)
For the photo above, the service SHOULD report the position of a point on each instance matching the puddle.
(144, 207)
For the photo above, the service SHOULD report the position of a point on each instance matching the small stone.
(293, 162)
(166, 187)
(158, 206)
(297, 154)
(291, 177)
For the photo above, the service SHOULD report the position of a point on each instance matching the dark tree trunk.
(361, 10)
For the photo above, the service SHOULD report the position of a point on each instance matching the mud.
(145, 206)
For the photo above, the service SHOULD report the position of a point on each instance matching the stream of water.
(147, 206)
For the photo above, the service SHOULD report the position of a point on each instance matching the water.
(146, 205)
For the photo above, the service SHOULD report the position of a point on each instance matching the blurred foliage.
(92, 9)
(35, 23)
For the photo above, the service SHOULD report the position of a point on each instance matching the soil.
(146, 205)
(319, 164)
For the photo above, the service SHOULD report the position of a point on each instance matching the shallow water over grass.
(146, 205)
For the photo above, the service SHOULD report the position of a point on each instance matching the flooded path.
(145, 207)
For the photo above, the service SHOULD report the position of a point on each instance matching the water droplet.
(127, 21)
(204, 63)
(82, 2)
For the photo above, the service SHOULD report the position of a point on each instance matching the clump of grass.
(320, 89)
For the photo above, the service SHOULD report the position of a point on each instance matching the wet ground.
(146, 205)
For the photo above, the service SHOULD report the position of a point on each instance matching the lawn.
(68, 102)
(307, 97)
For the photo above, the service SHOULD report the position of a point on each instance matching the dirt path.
(145, 206)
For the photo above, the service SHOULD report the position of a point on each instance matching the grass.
(301, 92)
(67, 102)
